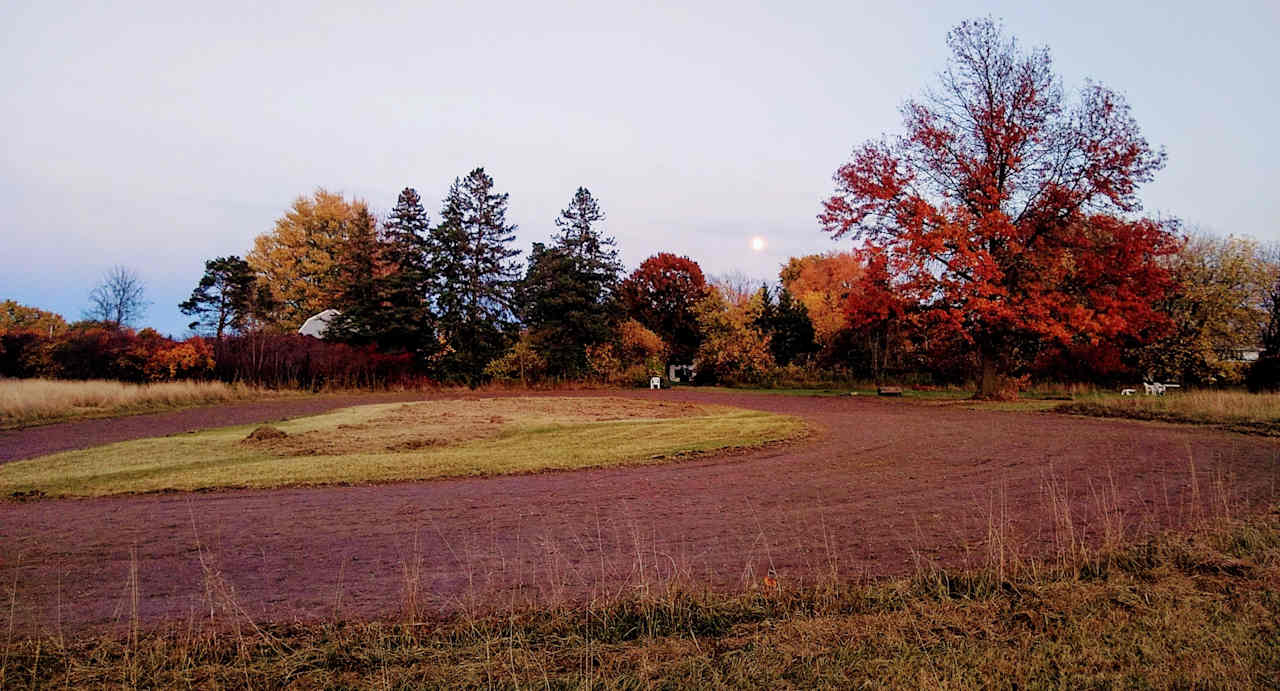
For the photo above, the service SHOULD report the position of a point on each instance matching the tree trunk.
(988, 382)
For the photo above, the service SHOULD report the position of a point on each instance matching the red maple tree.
(1007, 211)
(662, 294)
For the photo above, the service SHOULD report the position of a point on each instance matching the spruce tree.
(407, 322)
(359, 296)
(473, 276)
(568, 291)
(787, 324)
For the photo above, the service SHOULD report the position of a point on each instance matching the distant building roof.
(318, 325)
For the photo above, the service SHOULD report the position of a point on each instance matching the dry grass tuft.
(1237, 410)
(266, 433)
(26, 402)
(1180, 611)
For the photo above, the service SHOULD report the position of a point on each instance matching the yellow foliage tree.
(298, 259)
(1218, 307)
(18, 317)
(733, 347)
(822, 282)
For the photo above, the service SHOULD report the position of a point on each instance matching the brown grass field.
(901, 544)
(1235, 410)
(25, 402)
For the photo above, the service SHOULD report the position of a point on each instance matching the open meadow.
(908, 523)
(26, 402)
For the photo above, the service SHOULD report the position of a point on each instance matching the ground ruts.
(881, 487)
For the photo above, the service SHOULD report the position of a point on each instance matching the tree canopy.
(224, 299)
(568, 290)
(1008, 210)
(474, 275)
(663, 294)
(299, 258)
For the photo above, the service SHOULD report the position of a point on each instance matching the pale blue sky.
(156, 135)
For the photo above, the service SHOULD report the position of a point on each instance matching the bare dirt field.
(882, 487)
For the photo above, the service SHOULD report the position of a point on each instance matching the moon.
(757, 244)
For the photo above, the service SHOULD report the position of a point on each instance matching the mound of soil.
(266, 433)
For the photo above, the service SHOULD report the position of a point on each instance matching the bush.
(1264, 375)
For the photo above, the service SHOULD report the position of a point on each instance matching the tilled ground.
(882, 487)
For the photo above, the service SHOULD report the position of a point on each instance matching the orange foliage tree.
(823, 283)
(1008, 211)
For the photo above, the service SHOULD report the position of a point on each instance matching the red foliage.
(1005, 211)
(662, 295)
(272, 360)
(294, 361)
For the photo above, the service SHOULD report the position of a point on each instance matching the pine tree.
(224, 299)
(793, 331)
(567, 294)
(581, 238)
(359, 297)
(473, 275)
(407, 322)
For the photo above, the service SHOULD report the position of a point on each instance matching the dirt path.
(40, 441)
(881, 486)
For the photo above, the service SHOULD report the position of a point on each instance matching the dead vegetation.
(1196, 610)
(1237, 411)
(432, 424)
(25, 402)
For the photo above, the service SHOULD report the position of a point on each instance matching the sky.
(156, 135)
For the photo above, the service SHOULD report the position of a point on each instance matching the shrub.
(1264, 375)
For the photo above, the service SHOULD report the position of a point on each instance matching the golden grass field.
(1239, 410)
(404, 441)
(26, 402)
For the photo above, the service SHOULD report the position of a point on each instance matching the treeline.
(451, 302)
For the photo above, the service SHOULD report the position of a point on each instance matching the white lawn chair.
(655, 383)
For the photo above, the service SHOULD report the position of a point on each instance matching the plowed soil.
(882, 487)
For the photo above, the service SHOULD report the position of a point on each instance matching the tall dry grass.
(1257, 412)
(25, 402)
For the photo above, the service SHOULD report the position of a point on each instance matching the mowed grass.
(1237, 410)
(399, 441)
(1197, 611)
(26, 402)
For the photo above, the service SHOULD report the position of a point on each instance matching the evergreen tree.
(359, 296)
(793, 331)
(567, 293)
(224, 299)
(581, 238)
(407, 322)
(1271, 332)
(473, 275)
(787, 324)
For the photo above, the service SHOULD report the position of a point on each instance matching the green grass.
(532, 434)
(1196, 611)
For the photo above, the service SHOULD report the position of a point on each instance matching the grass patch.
(27, 402)
(1197, 611)
(1234, 410)
(404, 441)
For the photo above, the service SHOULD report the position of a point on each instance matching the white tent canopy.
(318, 326)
